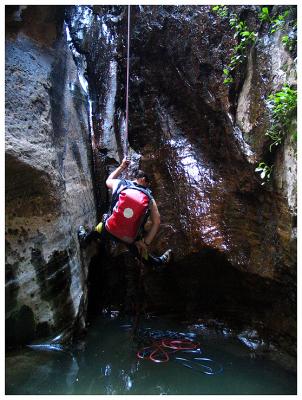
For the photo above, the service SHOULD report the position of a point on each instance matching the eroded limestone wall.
(49, 189)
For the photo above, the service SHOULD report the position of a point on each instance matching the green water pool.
(106, 363)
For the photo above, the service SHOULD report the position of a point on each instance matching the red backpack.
(129, 211)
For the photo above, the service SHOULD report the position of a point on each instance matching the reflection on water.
(108, 364)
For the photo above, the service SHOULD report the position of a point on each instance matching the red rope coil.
(158, 351)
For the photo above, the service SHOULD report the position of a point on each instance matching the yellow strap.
(145, 255)
(99, 227)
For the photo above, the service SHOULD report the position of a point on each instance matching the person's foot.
(166, 257)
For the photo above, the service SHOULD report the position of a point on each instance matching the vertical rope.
(127, 85)
(140, 299)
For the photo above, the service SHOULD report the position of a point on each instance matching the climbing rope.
(127, 85)
(160, 347)
(159, 350)
(140, 294)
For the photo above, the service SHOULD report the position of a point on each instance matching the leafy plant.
(276, 135)
(264, 15)
(283, 104)
(246, 37)
(265, 171)
(222, 11)
(279, 22)
(289, 42)
(228, 77)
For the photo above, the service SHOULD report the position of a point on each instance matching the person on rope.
(132, 205)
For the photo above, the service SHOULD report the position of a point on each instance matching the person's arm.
(155, 220)
(111, 180)
(143, 244)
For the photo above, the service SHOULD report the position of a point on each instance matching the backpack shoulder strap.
(142, 189)
(123, 183)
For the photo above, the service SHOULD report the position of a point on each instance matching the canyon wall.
(234, 239)
(49, 187)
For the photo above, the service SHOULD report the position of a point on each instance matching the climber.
(132, 203)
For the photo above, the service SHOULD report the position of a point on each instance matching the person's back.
(129, 211)
(132, 203)
(142, 180)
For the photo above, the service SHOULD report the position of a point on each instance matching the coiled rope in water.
(161, 349)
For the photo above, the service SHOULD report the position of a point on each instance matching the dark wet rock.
(254, 341)
(185, 126)
(20, 326)
(49, 190)
(94, 32)
(234, 240)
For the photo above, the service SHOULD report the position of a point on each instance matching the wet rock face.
(191, 130)
(49, 189)
(201, 141)
(98, 35)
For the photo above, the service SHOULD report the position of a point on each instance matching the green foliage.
(228, 77)
(222, 11)
(246, 37)
(294, 136)
(228, 80)
(279, 22)
(265, 171)
(264, 15)
(276, 135)
(289, 42)
(283, 105)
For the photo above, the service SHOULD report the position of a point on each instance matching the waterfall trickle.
(81, 68)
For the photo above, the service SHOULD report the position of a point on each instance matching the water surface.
(107, 363)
